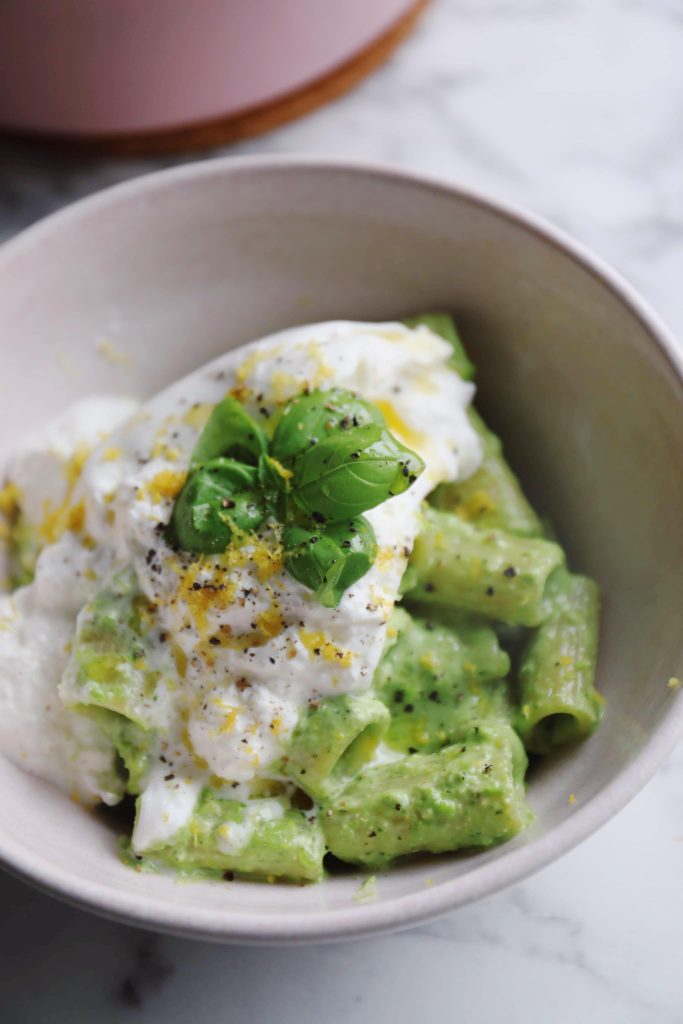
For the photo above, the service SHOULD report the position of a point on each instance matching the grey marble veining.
(573, 108)
(595, 937)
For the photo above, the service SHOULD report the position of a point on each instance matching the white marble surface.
(572, 108)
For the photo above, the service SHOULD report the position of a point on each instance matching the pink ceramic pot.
(94, 67)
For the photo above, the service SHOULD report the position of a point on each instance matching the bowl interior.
(175, 270)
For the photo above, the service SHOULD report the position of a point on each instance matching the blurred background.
(572, 108)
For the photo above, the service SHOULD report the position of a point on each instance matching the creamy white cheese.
(36, 731)
(176, 796)
(36, 624)
(252, 646)
(45, 465)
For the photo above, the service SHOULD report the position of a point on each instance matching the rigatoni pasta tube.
(491, 497)
(332, 740)
(109, 668)
(488, 572)
(258, 838)
(467, 795)
(558, 700)
(439, 683)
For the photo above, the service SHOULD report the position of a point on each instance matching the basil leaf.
(351, 472)
(309, 419)
(229, 432)
(274, 481)
(329, 561)
(218, 499)
(272, 475)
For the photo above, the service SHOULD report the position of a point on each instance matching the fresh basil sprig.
(219, 498)
(330, 459)
(351, 472)
(329, 561)
(230, 431)
(226, 491)
(312, 417)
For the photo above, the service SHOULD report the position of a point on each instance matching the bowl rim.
(402, 911)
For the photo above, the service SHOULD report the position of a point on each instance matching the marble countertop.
(573, 109)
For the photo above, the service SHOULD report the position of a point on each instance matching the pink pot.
(93, 67)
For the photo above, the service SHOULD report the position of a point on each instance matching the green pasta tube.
(491, 497)
(331, 742)
(485, 572)
(558, 700)
(109, 666)
(468, 795)
(260, 838)
(23, 548)
(134, 745)
(439, 683)
(20, 539)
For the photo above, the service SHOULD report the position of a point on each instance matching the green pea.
(330, 560)
(308, 419)
(218, 499)
(351, 472)
(230, 432)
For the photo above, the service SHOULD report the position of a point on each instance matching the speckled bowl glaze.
(579, 376)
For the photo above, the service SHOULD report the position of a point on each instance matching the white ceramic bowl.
(581, 379)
